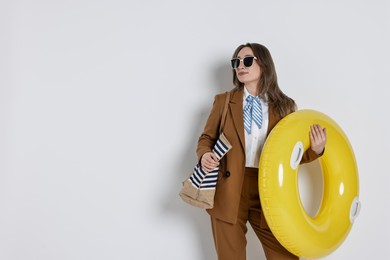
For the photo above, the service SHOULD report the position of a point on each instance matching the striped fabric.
(208, 180)
(204, 180)
(252, 112)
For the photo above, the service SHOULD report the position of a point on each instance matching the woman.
(256, 105)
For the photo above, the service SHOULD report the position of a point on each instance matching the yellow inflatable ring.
(302, 235)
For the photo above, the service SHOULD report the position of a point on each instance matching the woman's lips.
(242, 73)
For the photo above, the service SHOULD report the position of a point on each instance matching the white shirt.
(254, 142)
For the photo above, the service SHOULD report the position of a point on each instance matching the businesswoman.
(256, 105)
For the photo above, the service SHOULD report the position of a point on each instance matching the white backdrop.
(102, 102)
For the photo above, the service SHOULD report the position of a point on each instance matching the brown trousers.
(230, 239)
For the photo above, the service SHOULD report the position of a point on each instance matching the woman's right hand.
(209, 161)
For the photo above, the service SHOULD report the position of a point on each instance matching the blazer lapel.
(237, 114)
(272, 119)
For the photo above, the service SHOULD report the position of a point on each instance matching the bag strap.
(224, 113)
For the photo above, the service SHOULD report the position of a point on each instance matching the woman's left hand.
(317, 138)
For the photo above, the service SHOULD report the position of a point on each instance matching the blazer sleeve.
(310, 156)
(210, 132)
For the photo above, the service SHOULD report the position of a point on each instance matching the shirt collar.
(246, 94)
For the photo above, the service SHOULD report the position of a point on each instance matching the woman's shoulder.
(230, 93)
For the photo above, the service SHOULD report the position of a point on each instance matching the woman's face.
(247, 75)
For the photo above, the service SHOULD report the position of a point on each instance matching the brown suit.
(232, 167)
(237, 197)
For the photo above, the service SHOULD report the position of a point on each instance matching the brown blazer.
(232, 166)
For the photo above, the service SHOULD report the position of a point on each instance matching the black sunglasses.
(248, 61)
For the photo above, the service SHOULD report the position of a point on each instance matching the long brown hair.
(268, 84)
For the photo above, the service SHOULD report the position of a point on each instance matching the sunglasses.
(248, 61)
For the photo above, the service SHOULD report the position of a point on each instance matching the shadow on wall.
(222, 77)
(198, 219)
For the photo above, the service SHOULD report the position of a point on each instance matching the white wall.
(101, 104)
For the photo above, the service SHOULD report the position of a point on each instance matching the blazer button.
(227, 174)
